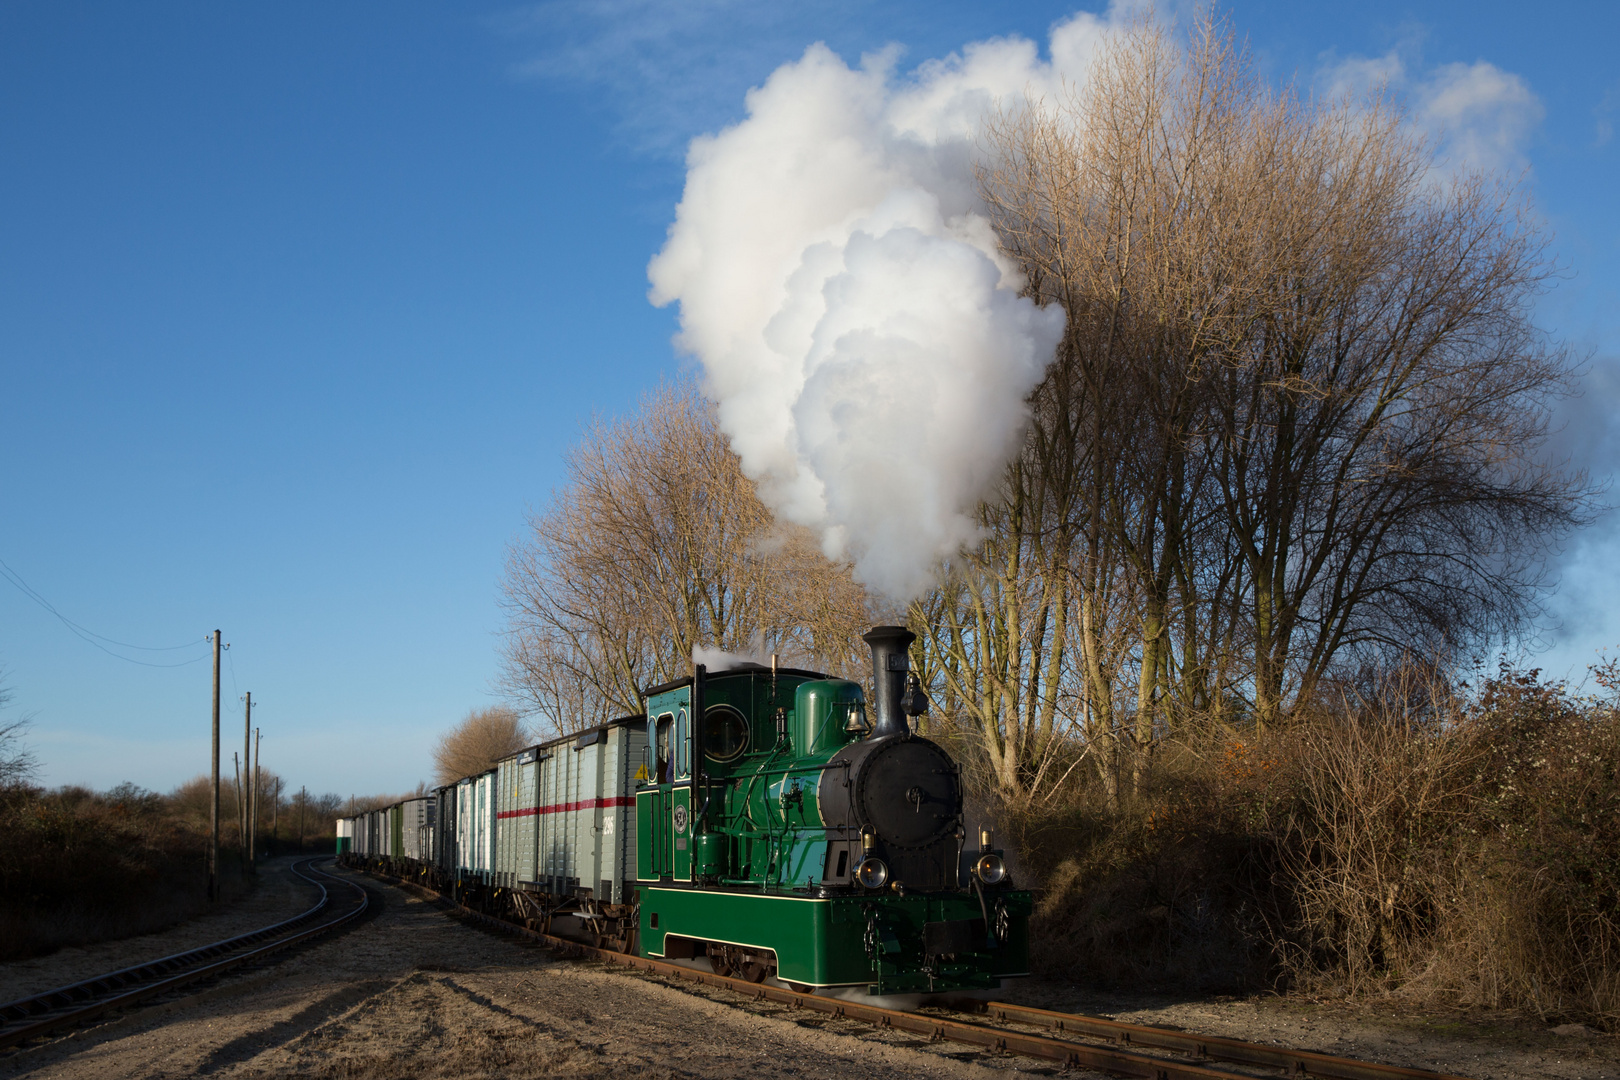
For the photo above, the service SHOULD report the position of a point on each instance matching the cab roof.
(739, 669)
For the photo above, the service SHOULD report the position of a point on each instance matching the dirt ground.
(412, 993)
(1466, 1044)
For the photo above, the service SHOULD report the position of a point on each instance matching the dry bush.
(1413, 844)
(1170, 883)
(77, 866)
(474, 745)
(1477, 863)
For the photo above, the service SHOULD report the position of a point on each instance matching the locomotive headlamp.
(872, 872)
(990, 869)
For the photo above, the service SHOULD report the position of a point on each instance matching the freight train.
(758, 818)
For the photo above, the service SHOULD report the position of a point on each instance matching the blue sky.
(301, 304)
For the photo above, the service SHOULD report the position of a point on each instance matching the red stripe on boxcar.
(563, 807)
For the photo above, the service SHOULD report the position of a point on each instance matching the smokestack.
(890, 665)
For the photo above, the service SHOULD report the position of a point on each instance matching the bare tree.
(1295, 423)
(657, 544)
(476, 744)
(17, 763)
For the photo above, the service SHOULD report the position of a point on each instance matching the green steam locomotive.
(782, 832)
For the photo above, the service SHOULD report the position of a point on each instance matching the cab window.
(661, 739)
(683, 747)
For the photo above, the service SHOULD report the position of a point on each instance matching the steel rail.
(1114, 1056)
(57, 1005)
(1303, 1062)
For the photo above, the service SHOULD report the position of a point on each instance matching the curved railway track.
(68, 1006)
(1070, 1039)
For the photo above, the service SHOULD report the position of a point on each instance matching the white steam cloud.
(720, 660)
(861, 331)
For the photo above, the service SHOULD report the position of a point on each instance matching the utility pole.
(247, 758)
(303, 796)
(213, 814)
(253, 806)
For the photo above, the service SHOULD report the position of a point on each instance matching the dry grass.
(1464, 852)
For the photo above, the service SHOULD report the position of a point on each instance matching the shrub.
(76, 866)
(1459, 850)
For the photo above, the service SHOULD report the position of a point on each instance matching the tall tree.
(1296, 422)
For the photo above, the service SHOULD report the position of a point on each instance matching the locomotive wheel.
(730, 962)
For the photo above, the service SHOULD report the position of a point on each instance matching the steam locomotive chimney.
(890, 665)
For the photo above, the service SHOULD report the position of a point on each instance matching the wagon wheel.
(798, 988)
(753, 972)
(720, 961)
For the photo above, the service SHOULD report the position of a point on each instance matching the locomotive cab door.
(664, 818)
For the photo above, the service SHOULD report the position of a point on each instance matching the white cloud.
(1482, 115)
(1603, 116)
(1476, 115)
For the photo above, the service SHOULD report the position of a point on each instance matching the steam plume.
(720, 660)
(861, 331)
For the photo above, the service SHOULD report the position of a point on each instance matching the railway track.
(1070, 1039)
(69, 1006)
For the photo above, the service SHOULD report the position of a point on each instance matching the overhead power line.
(90, 636)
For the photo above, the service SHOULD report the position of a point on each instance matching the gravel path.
(412, 993)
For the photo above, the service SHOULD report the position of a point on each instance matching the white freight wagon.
(565, 822)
